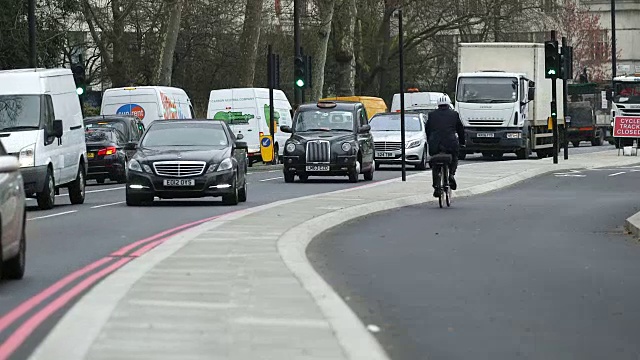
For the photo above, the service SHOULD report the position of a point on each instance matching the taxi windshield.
(324, 120)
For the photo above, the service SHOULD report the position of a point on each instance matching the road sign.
(626, 127)
(266, 148)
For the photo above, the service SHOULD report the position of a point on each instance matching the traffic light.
(551, 59)
(299, 72)
(566, 62)
(308, 69)
(79, 78)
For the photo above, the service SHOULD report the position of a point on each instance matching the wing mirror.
(131, 146)
(532, 94)
(241, 145)
(57, 128)
(364, 129)
(286, 129)
(9, 164)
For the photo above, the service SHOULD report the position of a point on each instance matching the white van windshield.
(19, 112)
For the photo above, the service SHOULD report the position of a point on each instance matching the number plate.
(317, 167)
(179, 182)
(485, 135)
(90, 155)
(382, 154)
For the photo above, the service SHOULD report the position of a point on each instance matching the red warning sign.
(626, 126)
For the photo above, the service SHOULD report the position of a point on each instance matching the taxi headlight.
(291, 147)
(346, 147)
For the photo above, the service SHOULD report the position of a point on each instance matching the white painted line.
(103, 205)
(618, 173)
(52, 215)
(263, 172)
(275, 178)
(99, 190)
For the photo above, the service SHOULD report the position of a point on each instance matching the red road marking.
(28, 305)
(26, 329)
(149, 246)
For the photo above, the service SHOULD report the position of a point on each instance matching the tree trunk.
(119, 72)
(249, 42)
(385, 37)
(168, 40)
(320, 40)
(343, 38)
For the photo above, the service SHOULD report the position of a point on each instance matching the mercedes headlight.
(134, 165)
(291, 147)
(346, 147)
(413, 144)
(27, 156)
(226, 164)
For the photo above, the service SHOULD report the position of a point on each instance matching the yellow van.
(373, 105)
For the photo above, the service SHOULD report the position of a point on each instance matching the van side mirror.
(57, 128)
(532, 94)
(364, 129)
(131, 146)
(286, 129)
(242, 145)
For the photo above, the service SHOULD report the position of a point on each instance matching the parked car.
(13, 213)
(130, 126)
(106, 155)
(41, 124)
(187, 159)
(388, 142)
(329, 139)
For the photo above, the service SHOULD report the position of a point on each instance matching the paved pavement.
(541, 270)
(240, 286)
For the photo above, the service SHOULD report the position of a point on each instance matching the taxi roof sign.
(326, 104)
(412, 90)
(130, 88)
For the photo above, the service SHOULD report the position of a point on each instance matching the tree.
(168, 40)
(344, 26)
(591, 49)
(249, 41)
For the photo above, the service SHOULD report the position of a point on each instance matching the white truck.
(625, 102)
(503, 99)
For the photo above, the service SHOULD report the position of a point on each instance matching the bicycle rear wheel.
(441, 186)
(446, 187)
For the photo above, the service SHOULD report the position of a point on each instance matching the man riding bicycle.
(445, 134)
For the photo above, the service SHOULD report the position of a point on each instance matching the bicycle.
(440, 163)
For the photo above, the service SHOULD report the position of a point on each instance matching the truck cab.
(625, 99)
(494, 106)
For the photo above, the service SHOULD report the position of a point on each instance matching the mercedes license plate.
(179, 182)
(317, 167)
(485, 135)
(384, 154)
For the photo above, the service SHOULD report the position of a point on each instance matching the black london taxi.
(330, 138)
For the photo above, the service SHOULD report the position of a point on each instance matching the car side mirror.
(131, 146)
(241, 145)
(286, 129)
(57, 128)
(9, 164)
(532, 94)
(239, 137)
(364, 129)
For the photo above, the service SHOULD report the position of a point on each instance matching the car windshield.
(626, 92)
(392, 123)
(487, 90)
(185, 134)
(19, 112)
(100, 135)
(110, 124)
(324, 120)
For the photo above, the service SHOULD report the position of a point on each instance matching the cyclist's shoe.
(436, 193)
(452, 182)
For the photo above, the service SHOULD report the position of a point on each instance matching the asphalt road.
(69, 237)
(541, 270)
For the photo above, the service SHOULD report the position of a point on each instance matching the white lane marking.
(103, 205)
(52, 215)
(618, 173)
(262, 172)
(275, 178)
(573, 173)
(99, 190)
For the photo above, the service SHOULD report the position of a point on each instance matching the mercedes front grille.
(179, 168)
(387, 145)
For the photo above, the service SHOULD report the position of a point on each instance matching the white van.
(148, 103)
(413, 100)
(41, 124)
(247, 112)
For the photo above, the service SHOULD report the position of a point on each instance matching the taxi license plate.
(90, 155)
(317, 168)
(485, 135)
(383, 154)
(179, 182)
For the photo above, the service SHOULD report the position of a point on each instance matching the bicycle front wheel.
(441, 180)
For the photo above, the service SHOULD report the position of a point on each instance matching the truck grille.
(318, 151)
(387, 145)
(630, 112)
(485, 122)
(179, 168)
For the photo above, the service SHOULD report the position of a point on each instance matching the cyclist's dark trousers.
(452, 169)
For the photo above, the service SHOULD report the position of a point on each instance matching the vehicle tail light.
(261, 134)
(107, 151)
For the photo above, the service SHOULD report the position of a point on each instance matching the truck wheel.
(576, 143)
(462, 155)
(599, 140)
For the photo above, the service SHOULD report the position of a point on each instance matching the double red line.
(115, 260)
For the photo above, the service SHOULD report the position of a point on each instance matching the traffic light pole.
(554, 108)
(565, 74)
(402, 125)
(296, 39)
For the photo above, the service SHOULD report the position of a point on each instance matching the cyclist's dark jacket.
(442, 126)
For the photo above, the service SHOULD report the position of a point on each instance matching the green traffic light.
(79, 91)
(552, 72)
(300, 83)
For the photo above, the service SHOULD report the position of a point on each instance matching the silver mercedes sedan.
(385, 128)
